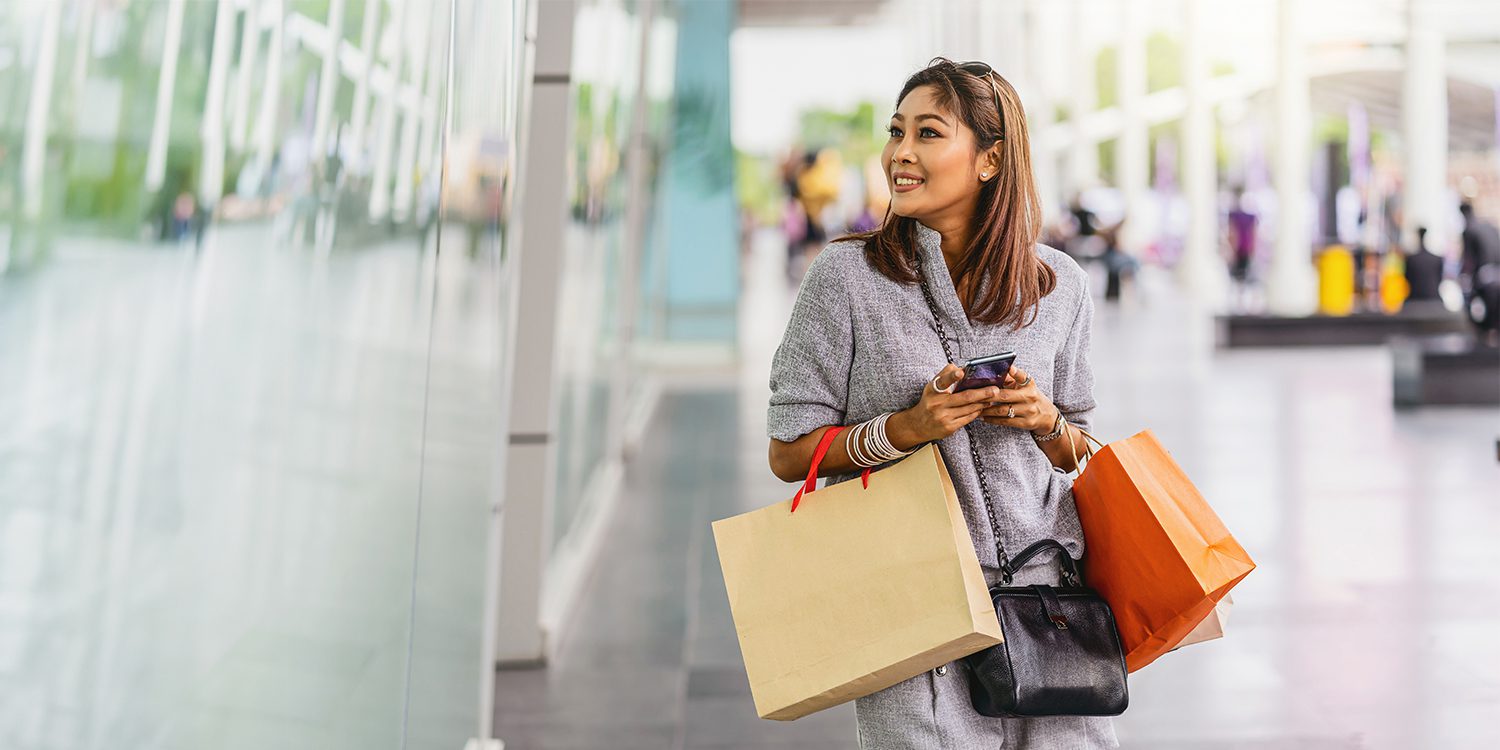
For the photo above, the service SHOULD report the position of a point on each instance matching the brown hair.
(1000, 277)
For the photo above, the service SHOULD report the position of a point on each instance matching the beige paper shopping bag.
(859, 589)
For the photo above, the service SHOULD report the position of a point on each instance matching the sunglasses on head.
(983, 70)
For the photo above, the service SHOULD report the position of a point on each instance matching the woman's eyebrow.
(939, 118)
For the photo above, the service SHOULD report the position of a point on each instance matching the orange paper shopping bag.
(1154, 550)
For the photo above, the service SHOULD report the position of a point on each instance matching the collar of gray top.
(936, 270)
(929, 238)
(931, 243)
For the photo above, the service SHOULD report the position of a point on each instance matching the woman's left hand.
(1020, 397)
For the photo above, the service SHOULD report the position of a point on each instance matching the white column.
(1003, 34)
(328, 80)
(166, 83)
(380, 177)
(637, 208)
(411, 121)
(369, 41)
(211, 184)
(961, 32)
(1039, 111)
(476, 21)
(1083, 98)
(429, 159)
(83, 46)
(270, 95)
(530, 459)
(1291, 288)
(928, 36)
(34, 146)
(999, 27)
(1497, 129)
(1132, 173)
(1424, 99)
(239, 125)
(1202, 271)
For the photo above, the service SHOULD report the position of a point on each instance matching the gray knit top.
(859, 344)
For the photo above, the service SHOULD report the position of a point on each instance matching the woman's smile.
(905, 182)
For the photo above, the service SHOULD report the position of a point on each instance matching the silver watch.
(1057, 430)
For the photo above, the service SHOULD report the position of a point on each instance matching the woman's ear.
(989, 163)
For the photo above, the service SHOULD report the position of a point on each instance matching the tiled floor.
(1373, 620)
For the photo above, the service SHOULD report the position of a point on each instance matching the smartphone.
(985, 371)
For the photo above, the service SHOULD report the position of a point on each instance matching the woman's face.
(935, 148)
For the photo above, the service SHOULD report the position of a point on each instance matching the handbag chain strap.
(984, 486)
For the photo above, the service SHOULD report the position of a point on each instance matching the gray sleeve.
(810, 372)
(1073, 375)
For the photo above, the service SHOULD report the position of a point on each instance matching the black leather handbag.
(1062, 653)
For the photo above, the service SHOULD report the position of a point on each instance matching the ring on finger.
(935, 387)
(1025, 382)
(1010, 412)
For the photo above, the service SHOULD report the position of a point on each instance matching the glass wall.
(468, 381)
(591, 360)
(650, 308)
(661, 78)
(255, 312)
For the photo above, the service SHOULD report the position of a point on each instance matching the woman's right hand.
(939, 414)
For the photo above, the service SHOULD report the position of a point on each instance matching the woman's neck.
(955, 239)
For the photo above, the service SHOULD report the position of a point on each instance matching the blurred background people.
(1424, 273)
(1481, 245)
(818, 187)
(1241, 226)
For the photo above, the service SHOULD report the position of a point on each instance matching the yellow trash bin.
(1394, 288)
(1335, 281)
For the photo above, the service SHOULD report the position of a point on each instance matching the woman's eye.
(924, 132)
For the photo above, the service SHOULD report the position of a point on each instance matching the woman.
(863, 343)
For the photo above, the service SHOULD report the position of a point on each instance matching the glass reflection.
(237, 365)
(591, 363)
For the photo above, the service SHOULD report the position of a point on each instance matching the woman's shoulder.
(1071, 278)
(840, 264)
(1061, 263)
(841, 254)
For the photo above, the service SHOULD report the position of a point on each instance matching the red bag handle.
(812, 470)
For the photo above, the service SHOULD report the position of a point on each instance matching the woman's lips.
(905, 188)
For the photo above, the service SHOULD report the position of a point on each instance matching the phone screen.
(986, 371)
